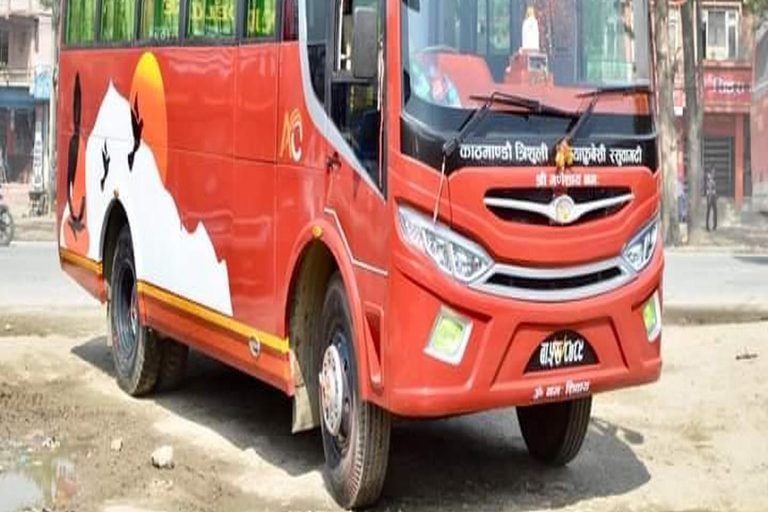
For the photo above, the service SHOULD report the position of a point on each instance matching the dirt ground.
(695, 441)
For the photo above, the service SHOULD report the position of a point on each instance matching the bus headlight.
(639, 251)
(452, 253)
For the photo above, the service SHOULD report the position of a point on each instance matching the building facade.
(725, 40)
(26, 57)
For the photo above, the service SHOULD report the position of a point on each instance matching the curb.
(38, 231)
(728, 250)
(681, 314)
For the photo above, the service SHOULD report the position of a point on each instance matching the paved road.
(712, 280)
(30, 277)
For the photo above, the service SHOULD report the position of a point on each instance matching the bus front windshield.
(457, 51)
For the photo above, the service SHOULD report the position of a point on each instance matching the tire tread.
(173, 364)
(554, 433)
(575, 431)
(358, 483)
(146, 369)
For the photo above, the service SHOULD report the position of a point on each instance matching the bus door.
(354, 165)
(356, 193)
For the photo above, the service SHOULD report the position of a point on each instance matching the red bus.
(412, 208)
(759, 122)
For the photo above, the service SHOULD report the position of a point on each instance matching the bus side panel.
(199, 84)
(154, 130)
(302, 184)
(84, 77)
(338, 205)
(252, 268)
(200, 102)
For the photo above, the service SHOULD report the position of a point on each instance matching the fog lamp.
(652, 317)
(449, 337)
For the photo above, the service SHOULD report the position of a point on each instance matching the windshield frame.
(421, 137)
(642, 52)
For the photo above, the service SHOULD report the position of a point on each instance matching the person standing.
(711, 194)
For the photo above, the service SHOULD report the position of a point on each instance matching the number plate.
(564, 349)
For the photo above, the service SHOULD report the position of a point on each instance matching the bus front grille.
(556, 284)
(537, 205)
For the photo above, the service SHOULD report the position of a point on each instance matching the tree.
(694, 115)
(759, 8)
(665, 81)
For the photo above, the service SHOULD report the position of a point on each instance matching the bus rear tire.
(136, 349)
(355, 433)
(554, 432)
(173, 365)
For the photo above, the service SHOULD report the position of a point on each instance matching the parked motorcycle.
(6, 224)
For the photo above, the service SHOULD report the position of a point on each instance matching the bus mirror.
(365, 44)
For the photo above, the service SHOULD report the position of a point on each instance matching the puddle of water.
(18, 491)
(35, 478)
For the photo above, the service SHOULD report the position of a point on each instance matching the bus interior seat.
(468, 72)
(366, 138)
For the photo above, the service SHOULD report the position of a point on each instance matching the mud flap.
(304, 417)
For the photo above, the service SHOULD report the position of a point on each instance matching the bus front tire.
(355, 433)
(136, 349)
(555, 432)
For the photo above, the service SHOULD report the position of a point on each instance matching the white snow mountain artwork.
(167, 255)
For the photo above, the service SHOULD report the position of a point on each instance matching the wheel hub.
(332, 390)
(134, 314)
(127, 321)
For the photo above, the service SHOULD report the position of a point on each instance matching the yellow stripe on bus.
(80, 261)
(279, 344)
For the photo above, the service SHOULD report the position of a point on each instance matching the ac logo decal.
(293, 135)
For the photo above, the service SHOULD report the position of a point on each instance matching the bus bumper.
(505, 335)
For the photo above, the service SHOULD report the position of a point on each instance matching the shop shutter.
(718, 153)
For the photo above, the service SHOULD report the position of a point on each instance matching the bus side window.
(211, 19)
(290, 20)
(81, 21)
(117, 18)
(317, 35)
(355, 103)
(260, 18)
(159, 20)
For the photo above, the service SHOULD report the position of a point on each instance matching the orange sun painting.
(148, 110)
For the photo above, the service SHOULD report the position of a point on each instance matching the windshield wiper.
(531, 106)
(595, 96)
(617, 89)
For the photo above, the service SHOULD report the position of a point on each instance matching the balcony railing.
(16, 77)
(20, 7)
